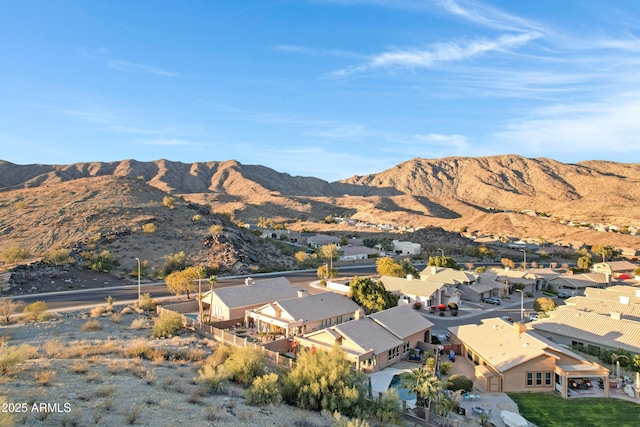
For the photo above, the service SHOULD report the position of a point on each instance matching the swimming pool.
(403, 393)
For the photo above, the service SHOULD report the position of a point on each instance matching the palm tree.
(445, 404)
(212, 282)
(424, 384)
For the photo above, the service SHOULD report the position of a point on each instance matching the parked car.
(492, 300)
(533, 317)
(507, 319)
(564, 295)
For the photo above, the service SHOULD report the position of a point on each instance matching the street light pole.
(521, 304)
(441, 250)
(525, 258)
(138, 259)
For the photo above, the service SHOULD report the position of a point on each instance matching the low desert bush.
(91, 325)
(97, 311)
(80, 366)
(132, 414)
(55, 349)
(147, 303)
(106, 390)
(216, 379)
(264, 390)
(114, 367)
(116, 318)
(446, 368)
(126, 310)
(140, 323)
(244, 364)
(36, 311)
(13, 355)
(460, 382)
(167, 325)
(149, 228)
(45, 377)
(139, 348)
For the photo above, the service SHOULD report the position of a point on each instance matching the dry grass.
(97, 311)
(45, 377)
(80, 367)
(91, 325)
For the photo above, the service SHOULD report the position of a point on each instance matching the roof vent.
(615, 315)
(624, 299)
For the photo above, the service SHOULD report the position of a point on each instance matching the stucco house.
(350, 253)
(322, 239)
(577, 283)
(376, 341)
(425, 292)
(306, 313)
(615, 268)
(232, 302)
(509, 358)
(406, 248)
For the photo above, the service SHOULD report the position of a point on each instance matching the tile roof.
(580, 281)
(630, 311)
(496, 341)
(261, 291)
(592, 327)
(402, 321)
(318, 306)
(450, 276)
(368, 334)
(423, 288)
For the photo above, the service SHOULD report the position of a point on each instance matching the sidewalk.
(467, 309)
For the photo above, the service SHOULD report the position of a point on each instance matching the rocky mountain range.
(47, 205)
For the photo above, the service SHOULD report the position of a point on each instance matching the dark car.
(564, 295)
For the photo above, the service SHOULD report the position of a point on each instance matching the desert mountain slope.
(480, 193)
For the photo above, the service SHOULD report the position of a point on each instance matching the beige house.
(425, 292)
(306, 313)
(509, 358)
(232, 302)
(615, 268)
(577, 283)
(376, 341)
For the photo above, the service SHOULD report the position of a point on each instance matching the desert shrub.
(147, 303)
(132, 414)
(149, 228)
(139, 323)
(341, 421)
(126, 310)
(138, 349)
(91, 325)
(149, 376)
(14, 254)
(96, 311)
(196, 218)
(216, 379)
(325, 380)
(446, 368)
(45, 377)
(58, 257)
(244, 364)
(386, 409)
(55, 349)
(104, 261)
(176, 262)
(13, 355)
(215, 229)
(36, 311)
(116, 318)
(114, 367)
(195, 354)
(460, 382)
(80, 366)
(169, 202)
(264, 390)
(167, 325)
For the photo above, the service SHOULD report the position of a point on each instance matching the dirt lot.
(90, 377)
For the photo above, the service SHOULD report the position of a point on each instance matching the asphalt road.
(88, 297)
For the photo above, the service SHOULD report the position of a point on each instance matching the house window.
(538, 379)
(394, 353)
(529, 379)
(547, 378)
(406, 347)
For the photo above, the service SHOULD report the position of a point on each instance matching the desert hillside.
(47, 205)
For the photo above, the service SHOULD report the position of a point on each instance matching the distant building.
(406, 248)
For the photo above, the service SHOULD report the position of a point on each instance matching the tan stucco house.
(376, 341)
(509, 358)
(306, 313)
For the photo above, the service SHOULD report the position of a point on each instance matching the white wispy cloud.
(106, 57)
(490, 17)
(457, 142)
(129, 66)
(307, 50)
(437, 54)
(608, 126)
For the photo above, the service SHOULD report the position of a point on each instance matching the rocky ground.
(83, 374)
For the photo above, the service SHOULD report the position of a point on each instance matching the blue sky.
(318, 88)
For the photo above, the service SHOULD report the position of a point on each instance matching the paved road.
(88, 297)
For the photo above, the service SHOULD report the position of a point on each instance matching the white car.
(492, 300)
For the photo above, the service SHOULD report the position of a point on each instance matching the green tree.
(507, 263)
(585, 262)
(105, 261)
(443, 261)
(8, 307)
(444, 405)
(264, 390)
(387, 266)
(423, 383)
(636, 272)
(14, 254)
(301, 257)
(459, 382)
(605, 251)
(543, 304)
(369, 242)
(324, 271)
(182, 282)
(58, 257)
(486, 252)
(370, 295)
(167, 325)
(329, 253)
(176, 262)
(325, 380)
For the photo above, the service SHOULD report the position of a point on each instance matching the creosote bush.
(166, 325)
(91, 325)
(36, 311)
(264, 390)
(13, 355)
(149, 228)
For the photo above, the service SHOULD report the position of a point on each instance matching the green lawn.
(550, 410)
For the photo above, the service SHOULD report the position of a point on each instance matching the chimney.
(616, 315)
(519, 328)
(302, 293)
(409, 276)
(249, 281)
(434, 269)
(359, 314)
(624, 299)
(608, 277)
